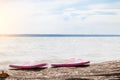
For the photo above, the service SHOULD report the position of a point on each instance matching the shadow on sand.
(31, 69)
(75, 66)
(77, 79)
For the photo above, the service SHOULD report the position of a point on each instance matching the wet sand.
(100, 71)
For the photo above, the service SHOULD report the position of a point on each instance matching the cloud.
(114, 5)
(93, 19)
(48, 7)
(62, 16)
(84, 14)
(53, 7)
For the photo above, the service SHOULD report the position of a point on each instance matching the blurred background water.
(58, 49)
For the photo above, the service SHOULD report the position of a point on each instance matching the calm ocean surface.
(58, 49)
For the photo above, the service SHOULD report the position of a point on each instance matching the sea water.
(58, 49)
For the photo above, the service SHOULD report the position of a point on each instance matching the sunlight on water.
(58, 49)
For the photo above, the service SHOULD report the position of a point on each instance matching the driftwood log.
(100, 71)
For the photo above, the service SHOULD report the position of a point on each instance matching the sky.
(59, 16)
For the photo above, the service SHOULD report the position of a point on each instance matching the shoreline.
(95, 71)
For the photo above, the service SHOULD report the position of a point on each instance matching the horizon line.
(60, 35)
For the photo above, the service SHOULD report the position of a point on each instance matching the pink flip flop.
(73, 62)
(28, 65)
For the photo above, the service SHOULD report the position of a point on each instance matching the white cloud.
(47, 7)
(115, 5)
(79, 21)
(39, 17)
(71, 12)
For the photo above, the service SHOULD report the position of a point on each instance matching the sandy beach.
(109, 70)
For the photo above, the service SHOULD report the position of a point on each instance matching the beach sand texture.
(100, 71)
